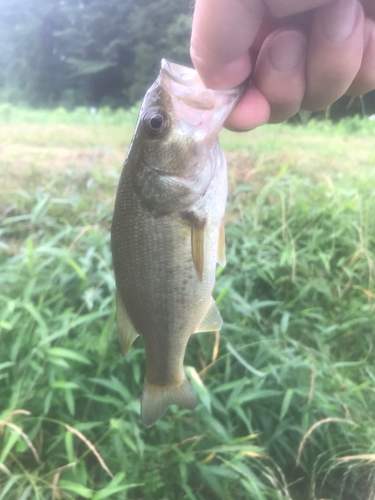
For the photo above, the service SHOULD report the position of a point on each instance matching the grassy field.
(286, 391)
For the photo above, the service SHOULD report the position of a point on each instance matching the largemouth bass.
(168, 230)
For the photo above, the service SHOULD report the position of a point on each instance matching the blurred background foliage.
(97, 52)
(286, 392)
(88, 52)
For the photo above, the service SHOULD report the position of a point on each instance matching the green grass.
(296, 354)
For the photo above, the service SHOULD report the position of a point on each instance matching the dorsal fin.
(212, 321)
(126, 331)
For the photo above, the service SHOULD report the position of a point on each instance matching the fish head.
(172, 148)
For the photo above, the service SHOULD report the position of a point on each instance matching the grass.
(286, 391)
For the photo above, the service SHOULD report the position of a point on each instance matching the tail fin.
(157, 399)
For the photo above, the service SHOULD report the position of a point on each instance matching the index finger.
(223, 32)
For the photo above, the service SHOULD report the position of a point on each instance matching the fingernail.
(287, 50)
(339, 19)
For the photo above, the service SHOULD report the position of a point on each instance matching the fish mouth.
(190, 78)
(181, 74)
(185, 84)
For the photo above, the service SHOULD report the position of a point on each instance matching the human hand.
(298, 53)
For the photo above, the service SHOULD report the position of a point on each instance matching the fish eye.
(155, 121)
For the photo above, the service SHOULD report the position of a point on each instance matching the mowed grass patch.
(286, 391)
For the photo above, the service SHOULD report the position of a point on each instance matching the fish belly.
(157, 281)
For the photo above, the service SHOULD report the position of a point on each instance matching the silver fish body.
(167, 223)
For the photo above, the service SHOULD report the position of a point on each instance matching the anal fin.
(221, 260)
(126, 331)
(212, 321)
(197, 245)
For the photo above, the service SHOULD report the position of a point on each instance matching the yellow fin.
(212, 320)
(197, 245)
(156, 400)
(221, 247)
(126, 331)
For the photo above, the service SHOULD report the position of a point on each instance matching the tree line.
(96, 52)
(88, 52)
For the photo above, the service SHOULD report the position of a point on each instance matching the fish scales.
(163, 293)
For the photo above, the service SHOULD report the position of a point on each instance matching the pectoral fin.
(221, 247)
(126, 331)
(212, 320)
(197, 245)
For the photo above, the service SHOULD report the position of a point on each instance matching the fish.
(168, 231)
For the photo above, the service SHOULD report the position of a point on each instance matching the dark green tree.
(88, 52)
(159, 30)
(95, 45)
(30, 69)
